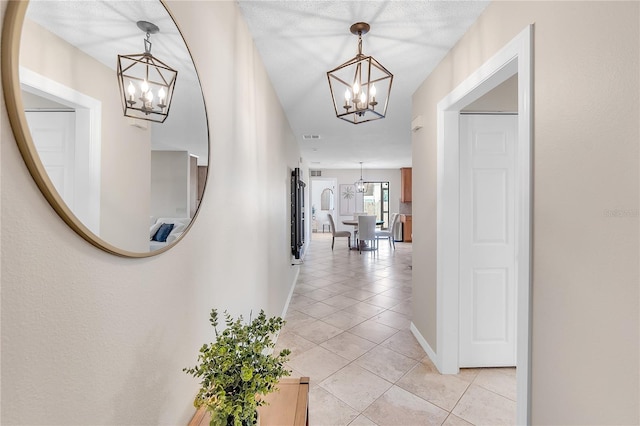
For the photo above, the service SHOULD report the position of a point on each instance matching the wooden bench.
(289, 405)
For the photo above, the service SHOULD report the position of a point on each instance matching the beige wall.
(91, 338)
(585, 299)
(125, 149)
(503, 98)
(170, 174)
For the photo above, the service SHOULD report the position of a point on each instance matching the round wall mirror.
(127, 184)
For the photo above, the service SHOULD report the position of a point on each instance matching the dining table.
(354, 223)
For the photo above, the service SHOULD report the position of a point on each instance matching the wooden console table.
(287, 406)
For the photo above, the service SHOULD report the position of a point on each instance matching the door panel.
(490, 290)
(53, 134)
(487, 249)
(489, 206)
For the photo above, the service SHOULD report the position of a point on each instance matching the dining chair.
(335, 233)
(366, 231)
(388, 233)
(355, 228)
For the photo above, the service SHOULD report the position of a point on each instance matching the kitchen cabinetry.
(405, 185)
(407, 227)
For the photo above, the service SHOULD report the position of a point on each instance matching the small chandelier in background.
(360, 184)
(146, 83)
(359, 85)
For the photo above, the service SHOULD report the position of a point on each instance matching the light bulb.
(356, 88)
(347, 95)
(347, 98)
(372, 95)
(161, 95)
(363, 97)
(144, 86)
(132, 91)
(149, 96)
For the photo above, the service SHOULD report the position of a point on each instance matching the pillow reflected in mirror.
(163, 232)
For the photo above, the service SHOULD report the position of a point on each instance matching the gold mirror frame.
(10, 45)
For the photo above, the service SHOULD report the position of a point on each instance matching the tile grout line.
(381, 277)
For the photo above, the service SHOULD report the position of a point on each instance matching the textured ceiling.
(104, 29)
(299, 41)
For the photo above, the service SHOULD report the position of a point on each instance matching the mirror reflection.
(121, 177)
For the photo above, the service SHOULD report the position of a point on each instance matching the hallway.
(348, 330)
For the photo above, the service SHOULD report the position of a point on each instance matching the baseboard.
(303, 253)
(293, 287)
(423, 342)
(286, 305)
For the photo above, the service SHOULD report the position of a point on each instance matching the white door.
(53, 134)
(487, 246)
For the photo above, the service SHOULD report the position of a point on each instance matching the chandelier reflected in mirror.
(146, 83)
(360, 87)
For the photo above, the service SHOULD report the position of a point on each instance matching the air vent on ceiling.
(316, 173)
(310, 137)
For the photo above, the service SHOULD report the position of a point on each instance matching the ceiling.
(299, 41)
(104, 29)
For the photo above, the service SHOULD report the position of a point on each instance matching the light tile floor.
(348, 330)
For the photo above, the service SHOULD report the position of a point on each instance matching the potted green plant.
(238, 368)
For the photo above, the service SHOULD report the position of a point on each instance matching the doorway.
(323, 202)
(514, 59)
(376, 201)
(487, 245)
(85, 199)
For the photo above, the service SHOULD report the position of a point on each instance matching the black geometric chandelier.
(146, 83)
(359, 85)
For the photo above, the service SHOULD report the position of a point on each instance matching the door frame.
(514, 58)
(88, 141)
(316, 181)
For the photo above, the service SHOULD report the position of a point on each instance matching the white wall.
(585, 292)
(170, 189)
(91, 338)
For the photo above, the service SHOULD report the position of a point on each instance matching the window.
(376, 201)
